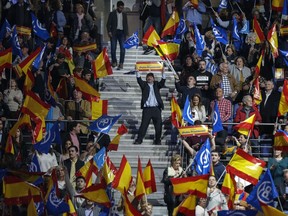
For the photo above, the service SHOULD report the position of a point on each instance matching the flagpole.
(246, 144)
(221, 176)
(239, 7)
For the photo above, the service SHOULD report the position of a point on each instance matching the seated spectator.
(230, 53)
(239, 70)
(80, 185)
(13, 97)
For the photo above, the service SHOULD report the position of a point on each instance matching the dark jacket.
(186, 91)
(78, 165)
(112, 23)
(146, 89)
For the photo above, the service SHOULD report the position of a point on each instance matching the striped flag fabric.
(187, 206)
(281, 140)
(5, 59)
(140, 188)
(245, 126)
(273, 40)
(151, 37)
(31, 209)
(257, 96)
(99, 107)
(149, 179)
(85, 48)
(109, 171)
(87, 170)
(259, 63)
(167, 51)
(269, 210)
(176, 113)
(246, 166)
(171, 25)
(283, 104)
(86, 89)
(260, 37)
(130, 210)
(102, 65)
(114, 144)
(229, 187)
(187, 113)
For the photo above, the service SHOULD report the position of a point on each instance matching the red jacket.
(241, 116)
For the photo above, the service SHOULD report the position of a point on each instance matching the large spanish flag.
(273, 40)
(5, 59)
(245, 126)
(260, 37)
(87, 170)
(281, 140)
(102, 65)
(195, 185)
(123, 176)
(99, 107)
(23, 66)
(151, 37)
(140, 188)
(187, 206)
(283, 104)
(96, 193)
(130, 210)
(114, 144)
(171, 25)
(109, 171)
(246, 166)
(277, 5)
(149, 179)
(229, 188)
(166, 50)
(86, 89)
(16, 191)
(176, 113)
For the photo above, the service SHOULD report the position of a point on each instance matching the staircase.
(124, 95)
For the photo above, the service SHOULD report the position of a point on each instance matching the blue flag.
(187, 114)
(52, 136)
(34, 165)
(55, 205)
(16, 49)
(219, 33)
(285, 10)
(39, 208)
(284, 55)
(235, 33)
(265, 191)
(40, 31)
(246, 27)
(2, 173)
(36, 63)
(104, 123)
(237, 213)
(181, 29)
(217, 123)
(6, 27)
(200, 45)
(133, 40)
(223, 5)
(203, 158)
(99, 157)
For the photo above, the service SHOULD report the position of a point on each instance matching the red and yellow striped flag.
(259, 63)
(31, 209)
(166, 50)
(86, 89)
(229, 188)
(246, 166)
(277, 5)
(273, 40)
(283, 104)
(171, 25)
(102, 65)
(260, 37)
(187, 206)
(72, 211)
(85, 48)
(176, 113)
(29, 81)
(151, 37)
(149, 179)
(269, 210)
(114, 144)
(5, 59)
(129, 208)
(140, 188)
(257, 96)
(245, 126)
(281, 140)
(99, 107)
(194, 185)
(87, 170)
(123, 176)
(109, 171)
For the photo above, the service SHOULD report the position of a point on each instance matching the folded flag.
(86, 89)
(132, 41)
(114, 144)
(151, 37)
(281, 140)
(104, 123)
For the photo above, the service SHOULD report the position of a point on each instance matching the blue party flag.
(237, 213)
(16, 49)
(200, 44)
(265, 191)
(34, 165)
(284, 55)
(285, 10)
(246, 27)
(235, 33)
(219, 33)
(6, 27)
(181, 29)
(187, 114)
(217, 123)
(104, 123)
(223, 5)
(133, 40)
(203, 158)
(99, 157)
(36, 63)
(55, 205)
(40, 31)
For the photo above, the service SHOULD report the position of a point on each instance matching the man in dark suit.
(152, 104)
(117, 28)
(73, 164)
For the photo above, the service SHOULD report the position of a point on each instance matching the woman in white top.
(197, 109)
(47, 161)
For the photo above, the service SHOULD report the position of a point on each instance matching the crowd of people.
(227, 74)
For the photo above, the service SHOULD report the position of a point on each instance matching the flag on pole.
(104, 123)
(166, 50)
(245, 126)
(130, 210)
(102, 65)
(260, 37)
(283, 103)
(140, 188)
(273, 40)
(149, 179)
(56, 205)
(87, 171)
(223, 5)
(114, 144)
(217, 123)
(38, 29)
(259, 63)
(151, 37)
(16, 49)
(219, 33)
(187, 113)
(187, 206)
(171, 25)
(132, 41)
(5, 59)
(86, 89)
(99, 158)
(281, 140)
(200, 44)
(229, 188)
(5, 28)
(203, 159)
(109, 171)
(181, 29)
(285, 10)
(176, 113)
(246, 27)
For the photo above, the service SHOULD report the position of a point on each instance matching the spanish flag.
(109, 171)
(85, 88)
(5, 59)
(259, 63)
(260, 37)
(72, 211)
(257, 93)
(123, 176)
(277, 5)
(194, 185)
(101, 65)
(149, 179)
(269, 210)
(273, 40)
(281, 140)
(23, 30)
(166, 50)
(23, 66)
(114, 144)
(283, 104)
(96, 193)
(85, 48)
(140, 188)
(245, 126)
(176, 113)
(246, 166)
(87, 170)
(171, 25)
(229, 188)
(29, 81)
(129, 208)
(16, 191)
(31, 209)
(99, 107)
(187, 206)
(151, 37)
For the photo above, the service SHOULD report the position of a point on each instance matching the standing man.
(117, 28)
(152, 104)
